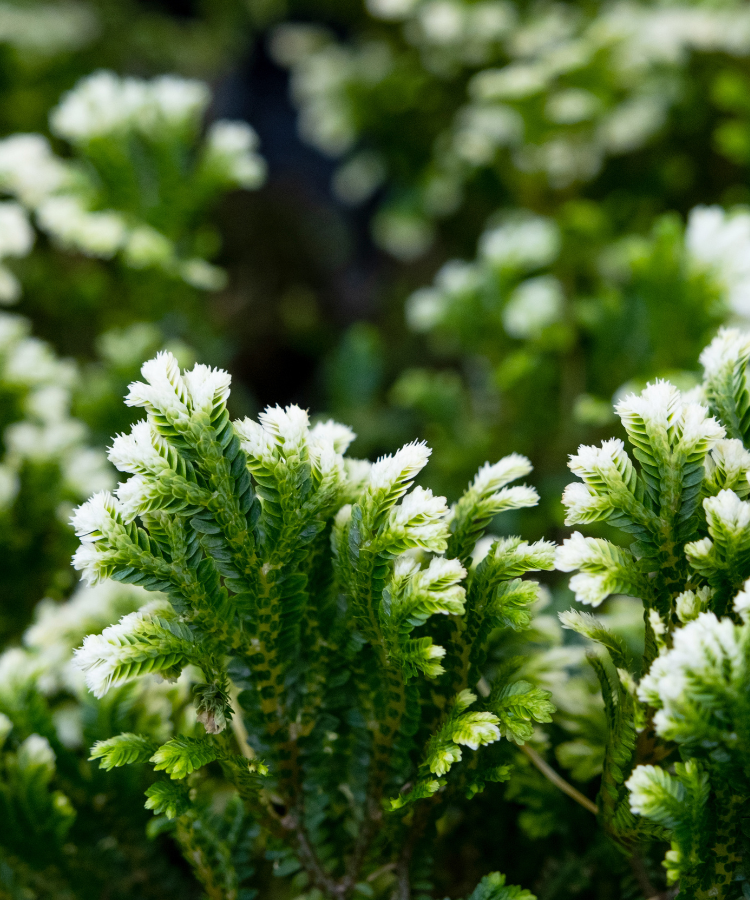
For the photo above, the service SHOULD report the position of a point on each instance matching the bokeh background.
(475, 222)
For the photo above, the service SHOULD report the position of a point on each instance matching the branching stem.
(558, 781)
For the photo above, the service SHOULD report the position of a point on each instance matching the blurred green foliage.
(380, 285)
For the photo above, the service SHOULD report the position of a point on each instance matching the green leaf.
(168, 799)
(519, 706)
(183, 755)
(493, 887)
(122, 750)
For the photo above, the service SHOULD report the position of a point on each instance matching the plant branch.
(419, 822)
(641, 876)
(362, 845)
(309, 859)
(558, 781)
(238, 726)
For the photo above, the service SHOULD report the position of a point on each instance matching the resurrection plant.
(677, 762)
(335, 625)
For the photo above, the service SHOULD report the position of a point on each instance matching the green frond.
(487, 775)
(518, 707)
(485, 498)
(589, 626)
(493, 887)
(183, 755)
(166, 798)
(30, 808)
(511, 605)
(122, 750)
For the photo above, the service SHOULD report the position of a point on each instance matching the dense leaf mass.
(304, 587)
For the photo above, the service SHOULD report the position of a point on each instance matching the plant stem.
(238, 726)
(309, 859)
(641, 876)
(559, 782)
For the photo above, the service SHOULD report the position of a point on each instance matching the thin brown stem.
(309, 858)
(388, 867)
(558, 781)
(641, 876)
(238, 725)
(372, 817)
(422, 813)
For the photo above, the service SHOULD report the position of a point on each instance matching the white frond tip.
(729, 465)
(741, 603)
(405, 566)
(436, 588)
(602, 566)
(727, 512)
(109, 658)
(464, 699)
(343, 516)
(689, 604)
(334, 433)
(519, 496)
(257, 443)
(429, 661)
(594, 463)
(136, 452)
(207, 387)
(490, 478)
(100, 655)
(696, 429)
(289, 426)
(93, 519)
(422, 517)
(706, 650)
(476, 729)
(590, 588)
(420, 506)
(164, 391)
(443, 758)
(655, 406)
(730, 348)
(91, 562)
(583, 505)
(135, 496)
(539, 555)
(441, 573)
(403, 466)
(326, 462)
(645, 785)
(327, 441)
(575, 552)
(581, 622)
(699, 552)
(658, 625)
(662, 410)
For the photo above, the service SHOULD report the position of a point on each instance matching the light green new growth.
(684, 503)
(331, 615)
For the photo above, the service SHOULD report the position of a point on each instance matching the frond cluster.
(330, 613)
(682, 497)
(141, 175)
(554, 111)
(48, 720)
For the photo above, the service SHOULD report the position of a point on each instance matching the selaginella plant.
(68, 830)
(127, 213)
(677, 763)
(47, 466)
(334, 624)
(437, 107)
(512, 339)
